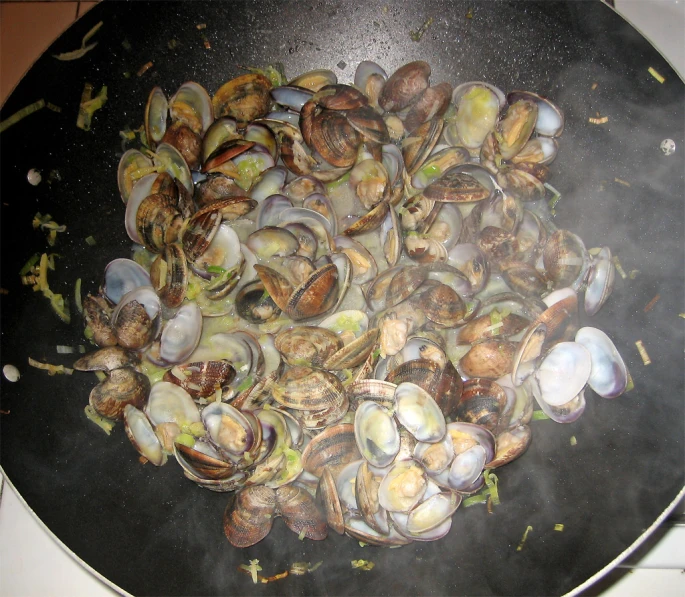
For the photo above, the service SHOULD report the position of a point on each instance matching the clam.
(328, 496)
(403, 486)
(550, 119)
(181, 334)
(608, 373)
(516, 127)
(141, 434)
(404, 85)
(482, 402)
(510, 445)
(563, 372)
(478, 106)
(156, 112)
(490, 359)
(201, 378)
(249, 515)
(565, 259)
(419, 413)
(333, 448)
(307, 345)
(169, 403)
(376, 433)
(600, 281)
(122, 387)
(314, 296)
(255, 304)
(244, 98)
(431, 103)
(305, 388)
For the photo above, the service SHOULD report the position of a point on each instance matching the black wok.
(152, 532)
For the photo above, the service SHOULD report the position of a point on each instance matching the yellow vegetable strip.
(656, 75)
(643, 352)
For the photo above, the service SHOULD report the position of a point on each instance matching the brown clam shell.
(307, 345)
(223, 155)
(300, 512)
(382, 392)
(158, 221)
(516, 127)
(216, 186)
(249, 516)
(187, 141)
(521, 184)
(370, 124)
(276, 284)
(204, 465)
(244, 98)
(404, 283)
(107, 359)
(368, 222)
(316, 295)
(122, 386)
(561, 320)
(564, 257)
(510, 445)
(199, 232)
(339, 97)
(305, 388)
(334, 138)
(456, 186)
(172, 289)
(327, 492)
(333, 448)
(417, 147)
(524, 279)
(489, 359)
(482, 402)
(353, 354)
(134, 328)
(443, 306)
(201, 379)
(404, 85)
(431, 103)
(96, 313)
(478, 329)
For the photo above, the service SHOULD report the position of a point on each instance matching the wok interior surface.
(152, 532)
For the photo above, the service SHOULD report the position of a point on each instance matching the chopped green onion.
(84, 49)
(62, 349)
(538, 415)
(35, 258)
(185, 439)
(479, 498)
(574, 441)
(105, 424)
(656, 75)
(363, 564)
(89, 106)
(215, 269)
(247, 382)
(559, 527)
(253, 569)
(90, 240)
(419, 33)
(525, 536)
(21, 114)
(491, 482)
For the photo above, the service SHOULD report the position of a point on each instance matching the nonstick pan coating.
(152, 532)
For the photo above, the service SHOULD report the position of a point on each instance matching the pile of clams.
(343, 300)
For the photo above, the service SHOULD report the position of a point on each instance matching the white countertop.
(33, 563)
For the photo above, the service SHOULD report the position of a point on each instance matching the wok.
(150, 531)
